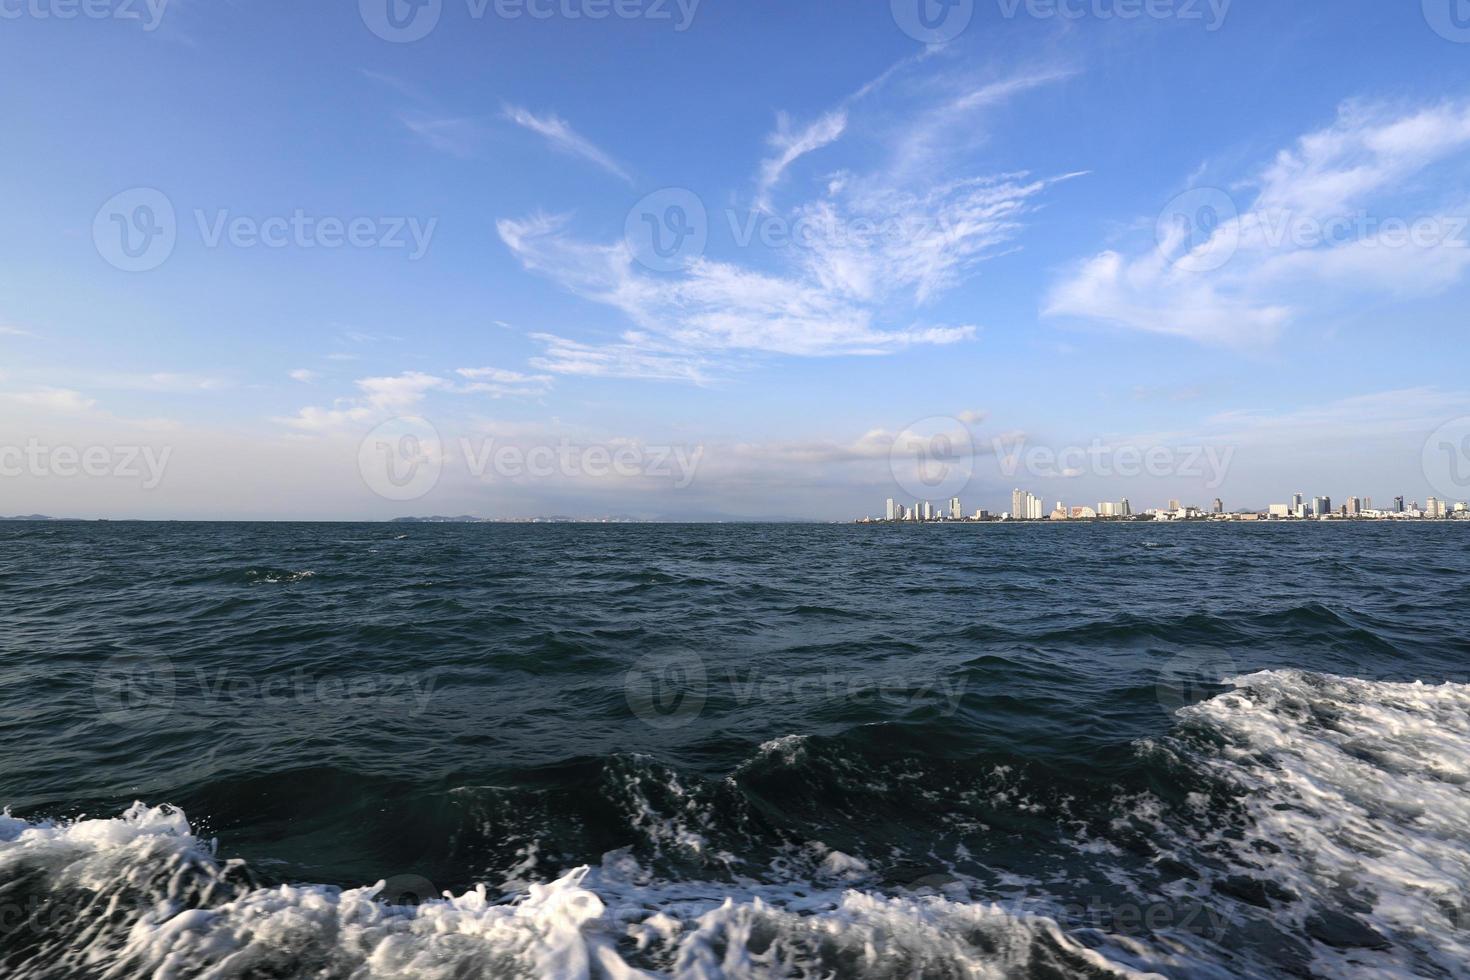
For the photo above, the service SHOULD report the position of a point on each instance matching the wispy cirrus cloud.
(1345, 206)
(459, 136)
(562, 138)
(627, 360)
(789, 146)
(881, 248)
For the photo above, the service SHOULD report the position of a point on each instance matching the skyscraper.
(956, 513)
(1219, 507)
(1018, 504)
(1398, 505)
(1125, 509)
(891, 510)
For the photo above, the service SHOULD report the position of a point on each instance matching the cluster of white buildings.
(1027, 506)
(1361, 508)
(924, 510)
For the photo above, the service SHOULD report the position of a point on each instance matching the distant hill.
(29, 517)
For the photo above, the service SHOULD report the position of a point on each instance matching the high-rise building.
(956, 513)
(1018, 504)
(892, 508)
(928, 511)
(1219, 507)
(1322, 506)
(1354, 507)
(1398, 505)
(1033, 507)
(1298, 500)
(1174, 507)
(1125, 509)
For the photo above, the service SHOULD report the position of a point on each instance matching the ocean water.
(451, 751)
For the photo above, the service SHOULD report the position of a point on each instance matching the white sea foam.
(561, 929)
(1348, 798)
(1356, 802)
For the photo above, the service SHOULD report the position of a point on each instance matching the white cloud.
(161, 381)
(1342, 207)
(500, 383)
(873, 251)
(62, 400)
(563, 356)
(304, 376)
(380, 398)
(790, 146)
(559, 133)
(455, 135)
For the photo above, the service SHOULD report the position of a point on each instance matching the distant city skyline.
(1026, 506)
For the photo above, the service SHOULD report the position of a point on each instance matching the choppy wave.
(1325, 832)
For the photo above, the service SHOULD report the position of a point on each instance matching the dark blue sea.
(455, 751)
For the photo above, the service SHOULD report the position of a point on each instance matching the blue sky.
(987, 237)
